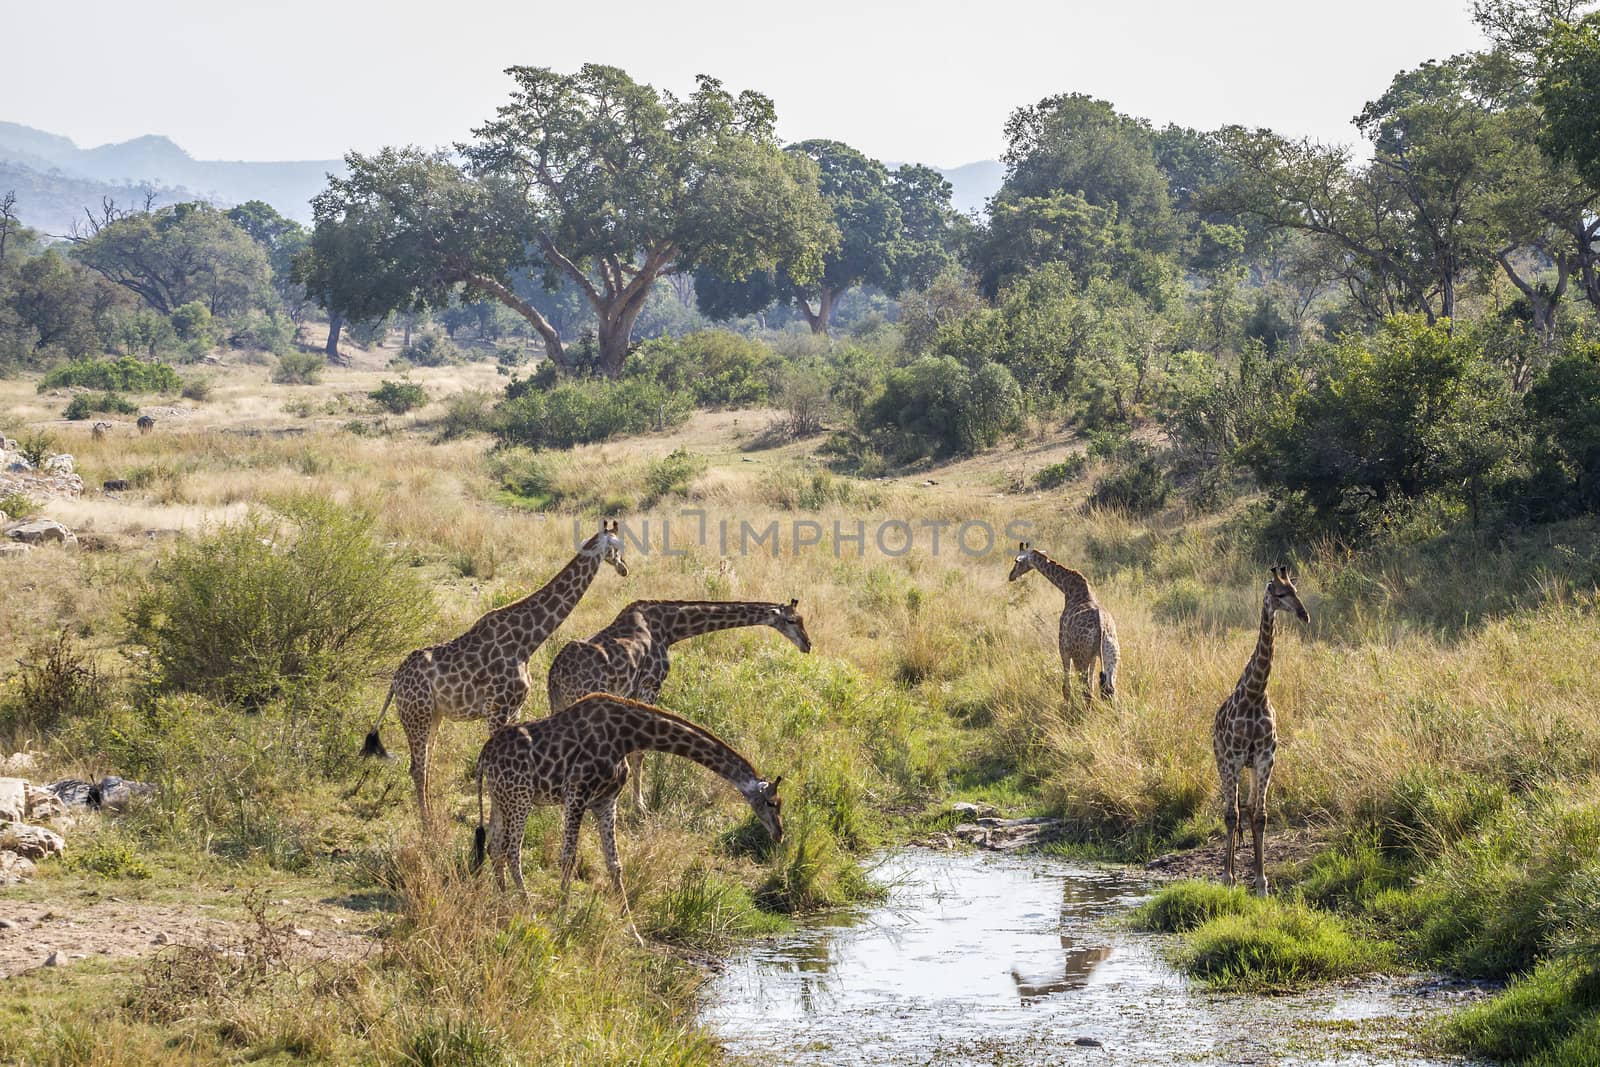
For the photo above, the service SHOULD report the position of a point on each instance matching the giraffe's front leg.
(1230, 820)
(1258, 820)
(605, 813)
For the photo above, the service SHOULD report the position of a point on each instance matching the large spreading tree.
(894, 234)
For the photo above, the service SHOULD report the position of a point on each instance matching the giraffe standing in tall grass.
(629, 658)
(484, 672)
(1246, 732)
(578, 758)
(1087, 632)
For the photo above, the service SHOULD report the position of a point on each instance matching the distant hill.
(974, 184)
(55, 179)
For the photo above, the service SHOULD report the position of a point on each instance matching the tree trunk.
(553, 347)
(824, 312)
(335, 324)
(409, 319)
(616, 331)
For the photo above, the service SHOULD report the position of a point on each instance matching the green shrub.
(397, 398)
(431, 349)
(299, 368)
(718, 367)
(58, 682)
(86, 404)
(469, 411)
(36, 446)
(264, 331)
(108, 857)
(197, 389)
(17, 505)
(1058, 474)
(940, 406)
(671, 474)
(1140, 487)
(268, 607)
(126, 374)
(575, 412)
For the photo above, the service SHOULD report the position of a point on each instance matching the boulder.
(13, 799)
(41, 531)
(31, 842)
(14, 868)
(60, 463)
(118, 793)
(44, 805)
(14, 549)
(19, 763)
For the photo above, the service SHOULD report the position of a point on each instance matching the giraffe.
(1087, 630)
(629, 657)
(484, 672)
(1246, 731)
(578, 758)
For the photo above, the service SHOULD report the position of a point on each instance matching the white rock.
(41, 531)
(61, 463)
(33, 842)
(44, 805)
(13, 799)
(19, 762)
(14, 549)
(14, 869)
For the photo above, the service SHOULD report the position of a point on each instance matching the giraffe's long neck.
(645, 728)
(1069, 581)
(672, 621)
(1253, 682)
(536, 616)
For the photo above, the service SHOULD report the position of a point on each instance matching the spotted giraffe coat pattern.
(1245, 734)
(1087, 632)
(630, 657)
(578, 758)
(483, 674)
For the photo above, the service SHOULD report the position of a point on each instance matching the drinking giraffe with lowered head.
(484, 672)
(629, 658)
(1246, 731)
(1087, 632)
(578, 758)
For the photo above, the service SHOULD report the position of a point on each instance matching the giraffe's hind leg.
(605, 814)
(1258, 819)
(421, 727)
(571, 821)
(636, 773)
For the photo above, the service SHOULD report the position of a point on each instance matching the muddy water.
(979, 958)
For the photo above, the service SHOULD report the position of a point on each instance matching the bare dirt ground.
(111, 928)
(1285, 848)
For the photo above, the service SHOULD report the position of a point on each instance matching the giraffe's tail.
(480, 836)
(1108, 657)
(373, 746)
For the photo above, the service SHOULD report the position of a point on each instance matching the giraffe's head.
(1281, 594)
(607, 544)
(787, 621)
(1024, 561)
(764, 801)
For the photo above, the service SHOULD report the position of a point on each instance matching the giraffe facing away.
(483, 674)
(578, 758)
(1087, 631)
(1246, 732)
(629, 658)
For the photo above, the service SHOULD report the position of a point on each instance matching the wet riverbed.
(980, 958)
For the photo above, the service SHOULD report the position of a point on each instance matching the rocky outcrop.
(41, 532)
(13, 800)
(55, 477)
(15, 868)
(31, 842)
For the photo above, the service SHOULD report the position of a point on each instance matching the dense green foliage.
(582, 410)
(298, 608)
(397, 398)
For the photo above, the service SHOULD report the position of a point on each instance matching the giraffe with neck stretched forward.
(483, 674)
(629, 658)
(1246, 732)
(578, 758)
(1087, 631)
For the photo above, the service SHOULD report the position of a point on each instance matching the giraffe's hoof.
(1261, 889)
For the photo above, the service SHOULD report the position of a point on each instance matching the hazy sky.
(931, 81)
